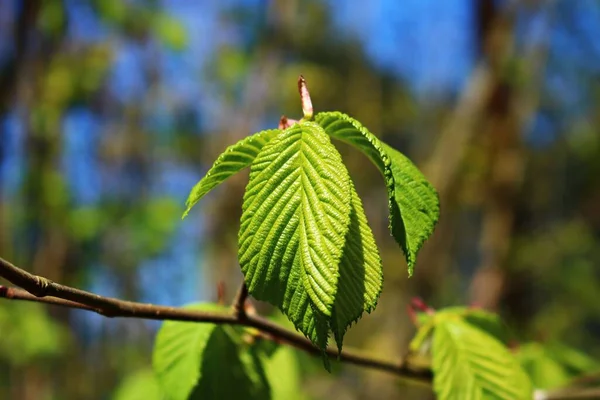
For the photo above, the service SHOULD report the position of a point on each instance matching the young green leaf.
(361, 274)
(231, 161)
(295, 217)
(470, 364)
(484, 320)
(420, 345)
(413, 202)
(192, 360)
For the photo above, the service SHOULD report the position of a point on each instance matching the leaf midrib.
(303, 163)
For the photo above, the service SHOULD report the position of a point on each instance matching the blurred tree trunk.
(508, 115)
(484, 93)
(10, 77)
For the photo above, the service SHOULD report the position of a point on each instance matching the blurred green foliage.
(30, 335)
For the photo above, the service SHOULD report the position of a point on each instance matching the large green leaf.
(295, 217)
(413, 202)
(470, 364)
(193, 360)
(361, 274)
(232, 160)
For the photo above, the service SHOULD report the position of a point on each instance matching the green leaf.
(420, 345)
(361, 273)
(575, 361)
(553, 365)
(544, 371)
(140, 385)
(416, 208)
(193, 360)
(488, 322)
(231, 161)
(283, 372)
(470, 364)
(295, 217)
(413, 202)
(230, 370)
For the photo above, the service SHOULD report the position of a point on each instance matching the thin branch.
(13, 293)
(239, 303)
(42, 290)
(579, 393)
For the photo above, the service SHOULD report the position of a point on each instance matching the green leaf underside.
(413, 202)
(235, 158)
(470, 364)
(361, 273)
(191, 361)
(295, 217)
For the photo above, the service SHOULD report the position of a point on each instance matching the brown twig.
(239, 303)
(42, 290)
(570, 394)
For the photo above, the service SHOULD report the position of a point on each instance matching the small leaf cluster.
(305, 245)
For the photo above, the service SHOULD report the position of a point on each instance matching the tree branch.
(41, 290)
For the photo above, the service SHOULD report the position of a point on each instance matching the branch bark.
(41, 290)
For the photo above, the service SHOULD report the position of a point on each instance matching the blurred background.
(110, 111)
